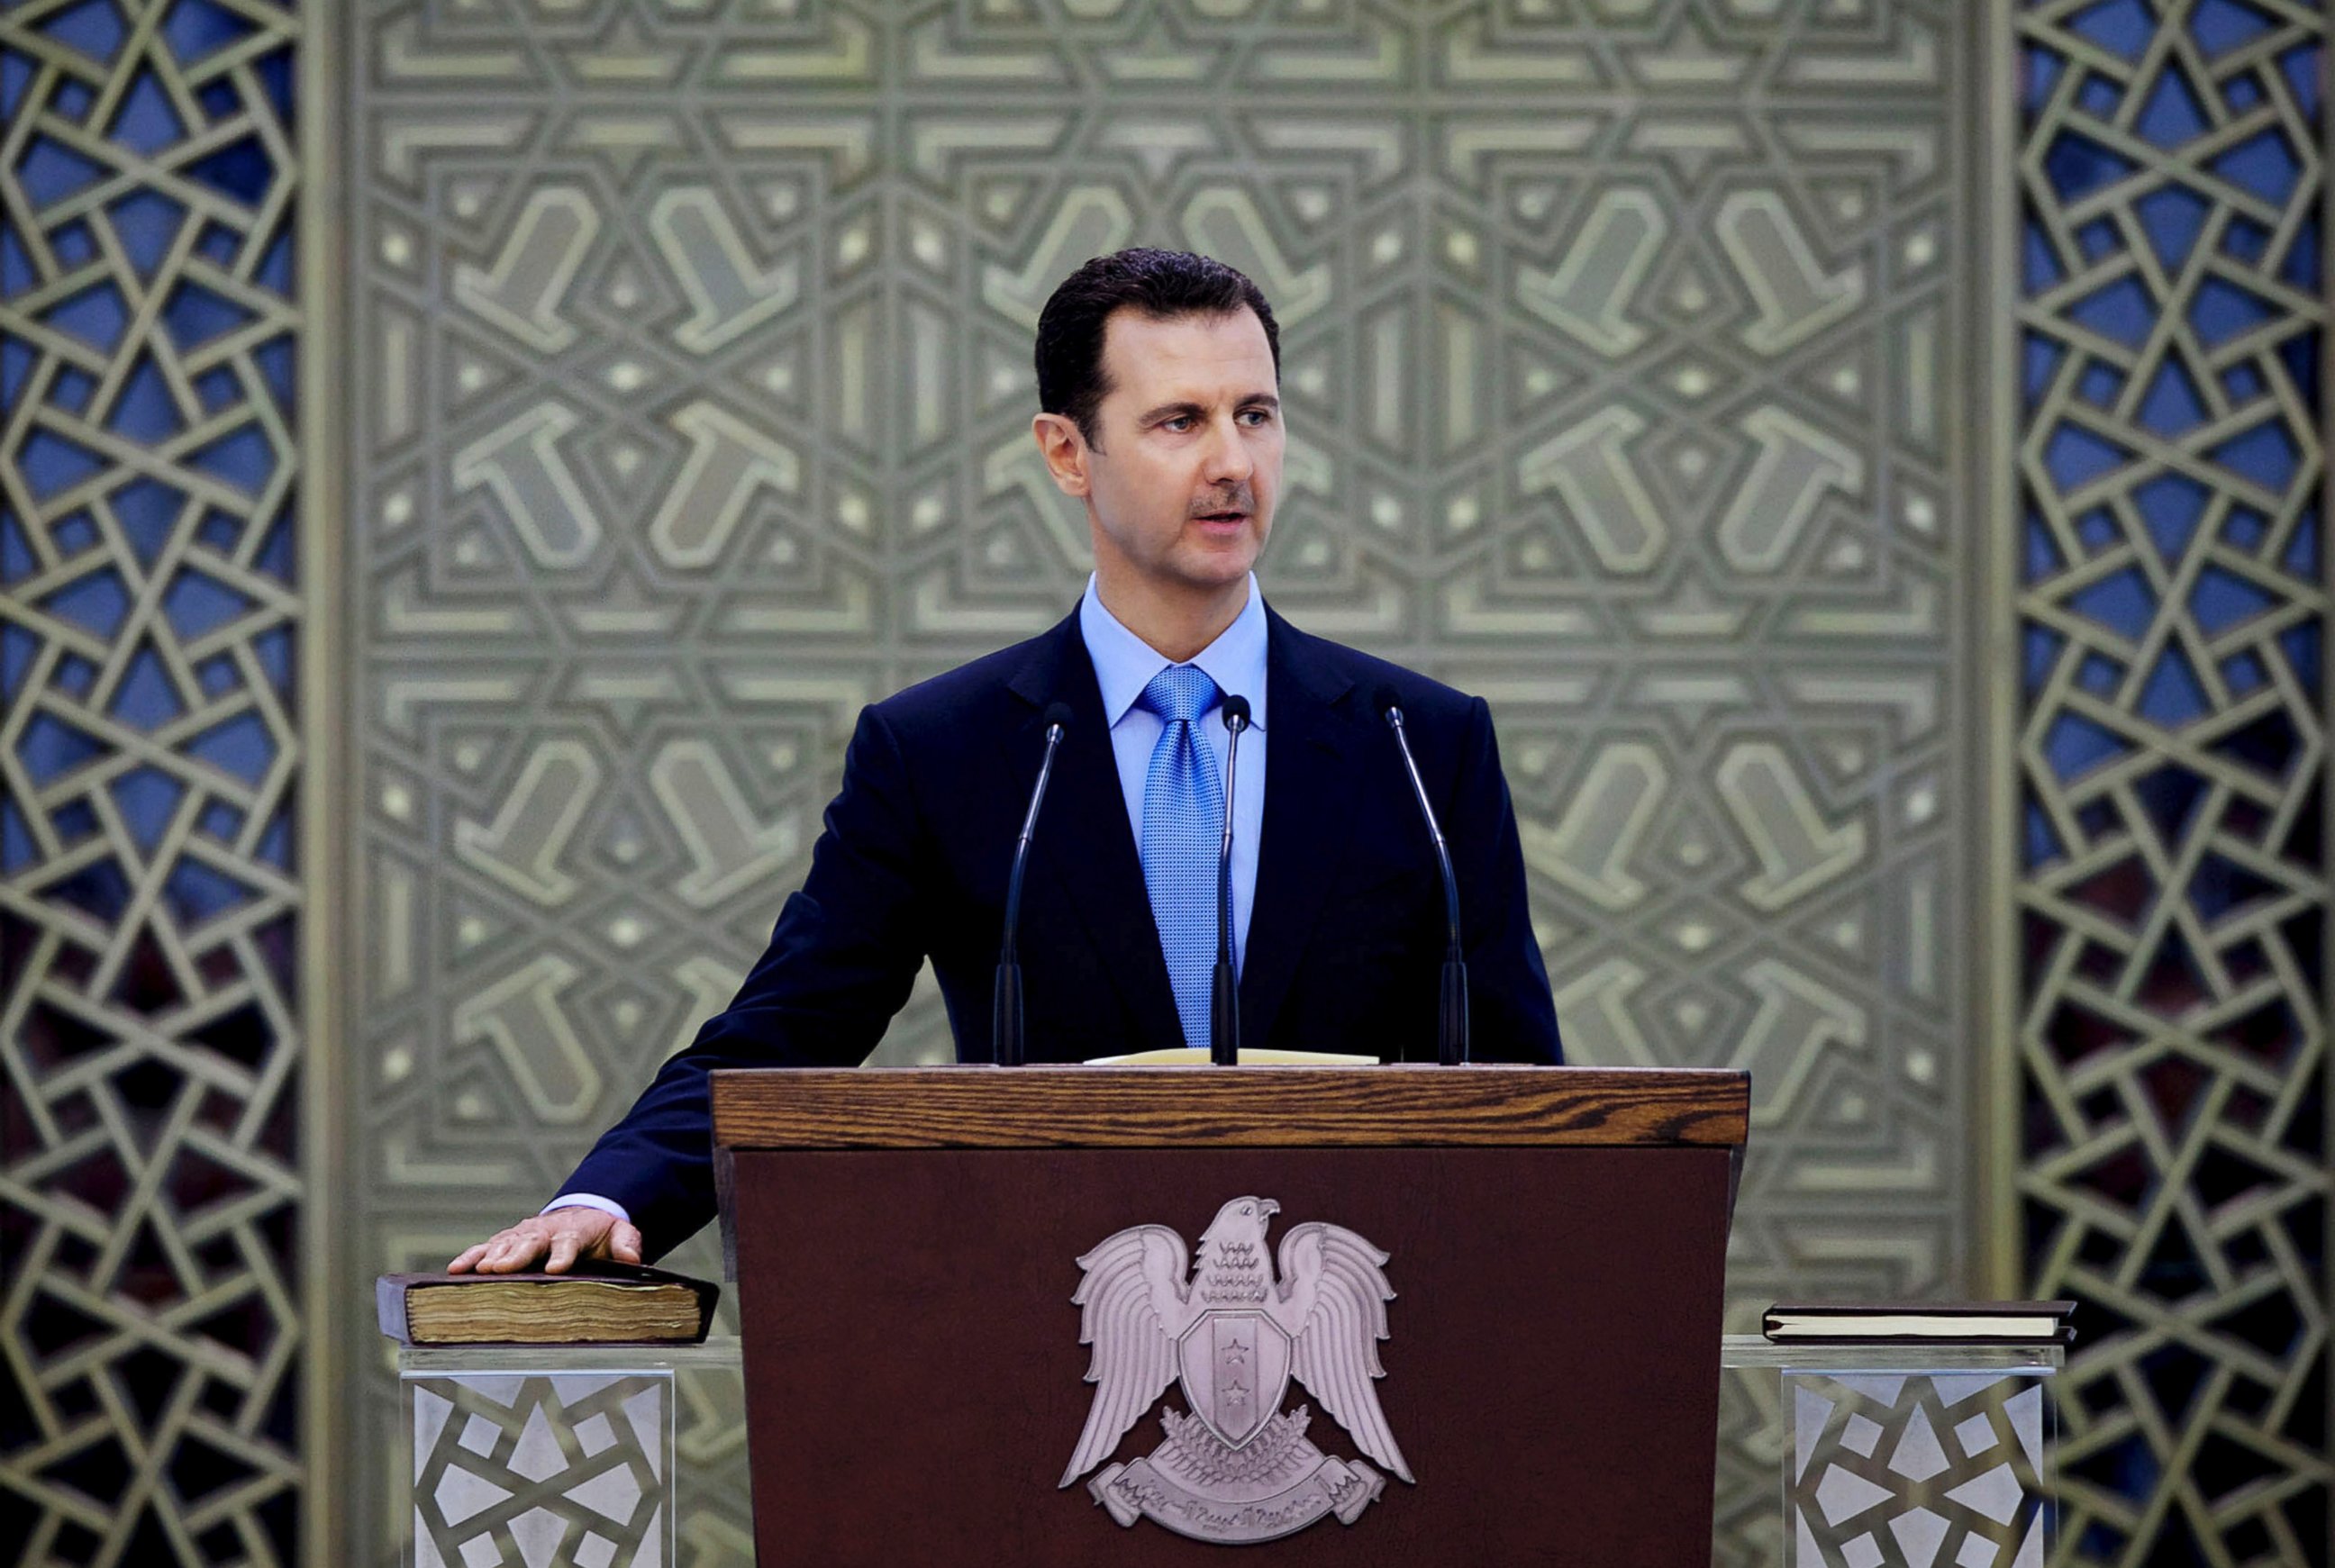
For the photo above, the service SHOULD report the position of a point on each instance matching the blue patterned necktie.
(1183, 828)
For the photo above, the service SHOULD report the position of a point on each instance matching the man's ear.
(1065, 451)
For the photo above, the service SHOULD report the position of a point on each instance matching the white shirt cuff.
(588, 1201)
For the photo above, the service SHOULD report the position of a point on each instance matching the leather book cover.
(597, 1303)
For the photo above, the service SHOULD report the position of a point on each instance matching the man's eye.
(1260, 416)
(1177, 423)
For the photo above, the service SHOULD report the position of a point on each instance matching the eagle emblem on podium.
(1232, 1328)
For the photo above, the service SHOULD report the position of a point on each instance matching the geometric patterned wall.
(153, 1053)
(689, 395)
(2172, 879)
(1631, 354)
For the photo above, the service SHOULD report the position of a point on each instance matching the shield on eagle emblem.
(1232, 1328)
(1234, 1368)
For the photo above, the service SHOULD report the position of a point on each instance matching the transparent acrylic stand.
(587, 1455)
(1928, 1455)
(1937, 1456)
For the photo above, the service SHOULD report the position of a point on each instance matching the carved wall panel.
(690, 390)
(154, 1166)
(2171, 738)
(1628, 359)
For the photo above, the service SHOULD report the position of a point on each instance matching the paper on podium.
(1194, 1056)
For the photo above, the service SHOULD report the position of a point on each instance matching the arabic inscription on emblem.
(1233, 1327)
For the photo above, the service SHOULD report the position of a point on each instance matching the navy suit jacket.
(1345, 940)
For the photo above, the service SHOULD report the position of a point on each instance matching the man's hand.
(564, 1234)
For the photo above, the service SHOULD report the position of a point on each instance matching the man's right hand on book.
(559, 1237)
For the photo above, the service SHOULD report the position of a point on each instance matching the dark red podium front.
(1541, 1248)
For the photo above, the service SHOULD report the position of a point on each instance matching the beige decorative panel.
(688, 376)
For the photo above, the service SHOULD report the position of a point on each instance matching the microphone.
(1451, 1030)
(1224, 990)
(1005, 1042)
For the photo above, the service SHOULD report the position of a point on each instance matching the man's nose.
(1228, 461)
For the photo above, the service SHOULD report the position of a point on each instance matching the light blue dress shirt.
(1124, 664)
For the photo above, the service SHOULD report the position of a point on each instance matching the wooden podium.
(907, 1244)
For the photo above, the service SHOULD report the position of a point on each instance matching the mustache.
(1240, 500)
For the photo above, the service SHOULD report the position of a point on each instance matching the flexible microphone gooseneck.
(1451, 1029)
(1224, 989)
(1005, 1042)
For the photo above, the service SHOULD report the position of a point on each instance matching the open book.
(1193, 1056)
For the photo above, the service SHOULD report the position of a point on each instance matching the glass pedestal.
(1936, 1457)
(605, 1456)
(1931, 1456)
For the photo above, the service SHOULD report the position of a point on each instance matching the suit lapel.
(1298, 846)
(1085, 829)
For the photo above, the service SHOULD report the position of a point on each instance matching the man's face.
(1182, 486)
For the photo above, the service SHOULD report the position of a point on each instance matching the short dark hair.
(1159, 283)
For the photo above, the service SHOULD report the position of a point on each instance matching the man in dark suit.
(1159, 375)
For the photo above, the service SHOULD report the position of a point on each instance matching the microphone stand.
(1451, 1021)
(1005, 1024)
(1224, 986)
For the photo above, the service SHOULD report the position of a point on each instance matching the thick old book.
(1921, 1323)
(598, 1303)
